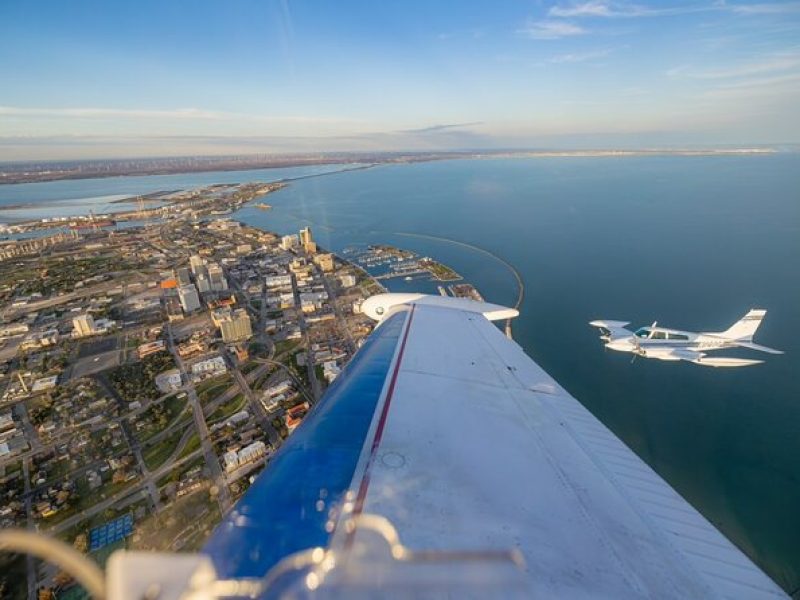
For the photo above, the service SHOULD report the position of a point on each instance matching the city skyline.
(91, 80)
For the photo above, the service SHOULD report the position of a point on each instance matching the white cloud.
(771, 64)
(551, 30)
(613, 9)
(577, 57)
(595, 8)
(194, 114)
(766, 9)
(609, 9)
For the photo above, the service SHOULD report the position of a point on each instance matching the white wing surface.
(474, 448)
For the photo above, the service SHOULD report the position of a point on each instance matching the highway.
(215, 470)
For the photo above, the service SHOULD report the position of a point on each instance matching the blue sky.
(97, 78)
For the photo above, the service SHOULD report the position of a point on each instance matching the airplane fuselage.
(676, 344)
(662, 338)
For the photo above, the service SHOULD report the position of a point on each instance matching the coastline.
(10, 177)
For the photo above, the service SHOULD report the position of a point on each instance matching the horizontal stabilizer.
(719, 361)
(759, 347)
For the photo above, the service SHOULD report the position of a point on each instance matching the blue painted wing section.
(286, 508)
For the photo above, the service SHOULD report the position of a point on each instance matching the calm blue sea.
(692, 242)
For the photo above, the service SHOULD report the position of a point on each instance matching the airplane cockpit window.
(642, 332)
(659, 335)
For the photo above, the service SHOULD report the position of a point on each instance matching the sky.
(93, 79)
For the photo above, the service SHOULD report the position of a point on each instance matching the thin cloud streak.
(179, 114)
(551, 30)
(773, 64)
(609, 9)
(578, 57)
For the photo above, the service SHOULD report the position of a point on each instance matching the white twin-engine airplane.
(673, 344)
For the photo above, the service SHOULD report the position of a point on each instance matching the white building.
(331, 370)
(212, 366)
(196, 262)
(217, 278)
(203, 284)
(230, 460)
(290, 241)
(348, 280)
(278, 281)
(190, 299)
(278, 388)
(45, 383)
(168, 381)
(252, 452)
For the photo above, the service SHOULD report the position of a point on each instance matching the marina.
(388, 262)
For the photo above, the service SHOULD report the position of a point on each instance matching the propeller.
(638, 351)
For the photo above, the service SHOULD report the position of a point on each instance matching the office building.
(325, 262)
(235, 326)
(190, 299)
(216, 278)
(196, 262)
(289, 241)
(307, 240)
(182, 275)
(84, 325)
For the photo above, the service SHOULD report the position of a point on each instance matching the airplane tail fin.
(745, 327)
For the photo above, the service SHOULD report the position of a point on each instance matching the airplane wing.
(699, 358)
(444, 461)
(612, 329)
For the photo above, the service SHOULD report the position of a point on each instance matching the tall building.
(325, 262)
(289, 241)
(190, 299)
(203, 284)
(217, 278)
(182, 276)
(195, 262)
(235, 327)
(307, 240)
(83, 324)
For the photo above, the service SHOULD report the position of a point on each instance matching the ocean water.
(693, 242)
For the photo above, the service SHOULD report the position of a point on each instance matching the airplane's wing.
(612, 329)
(699, 358)
(468, 453)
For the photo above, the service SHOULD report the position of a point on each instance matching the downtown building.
(235, 326)
(190, 299)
